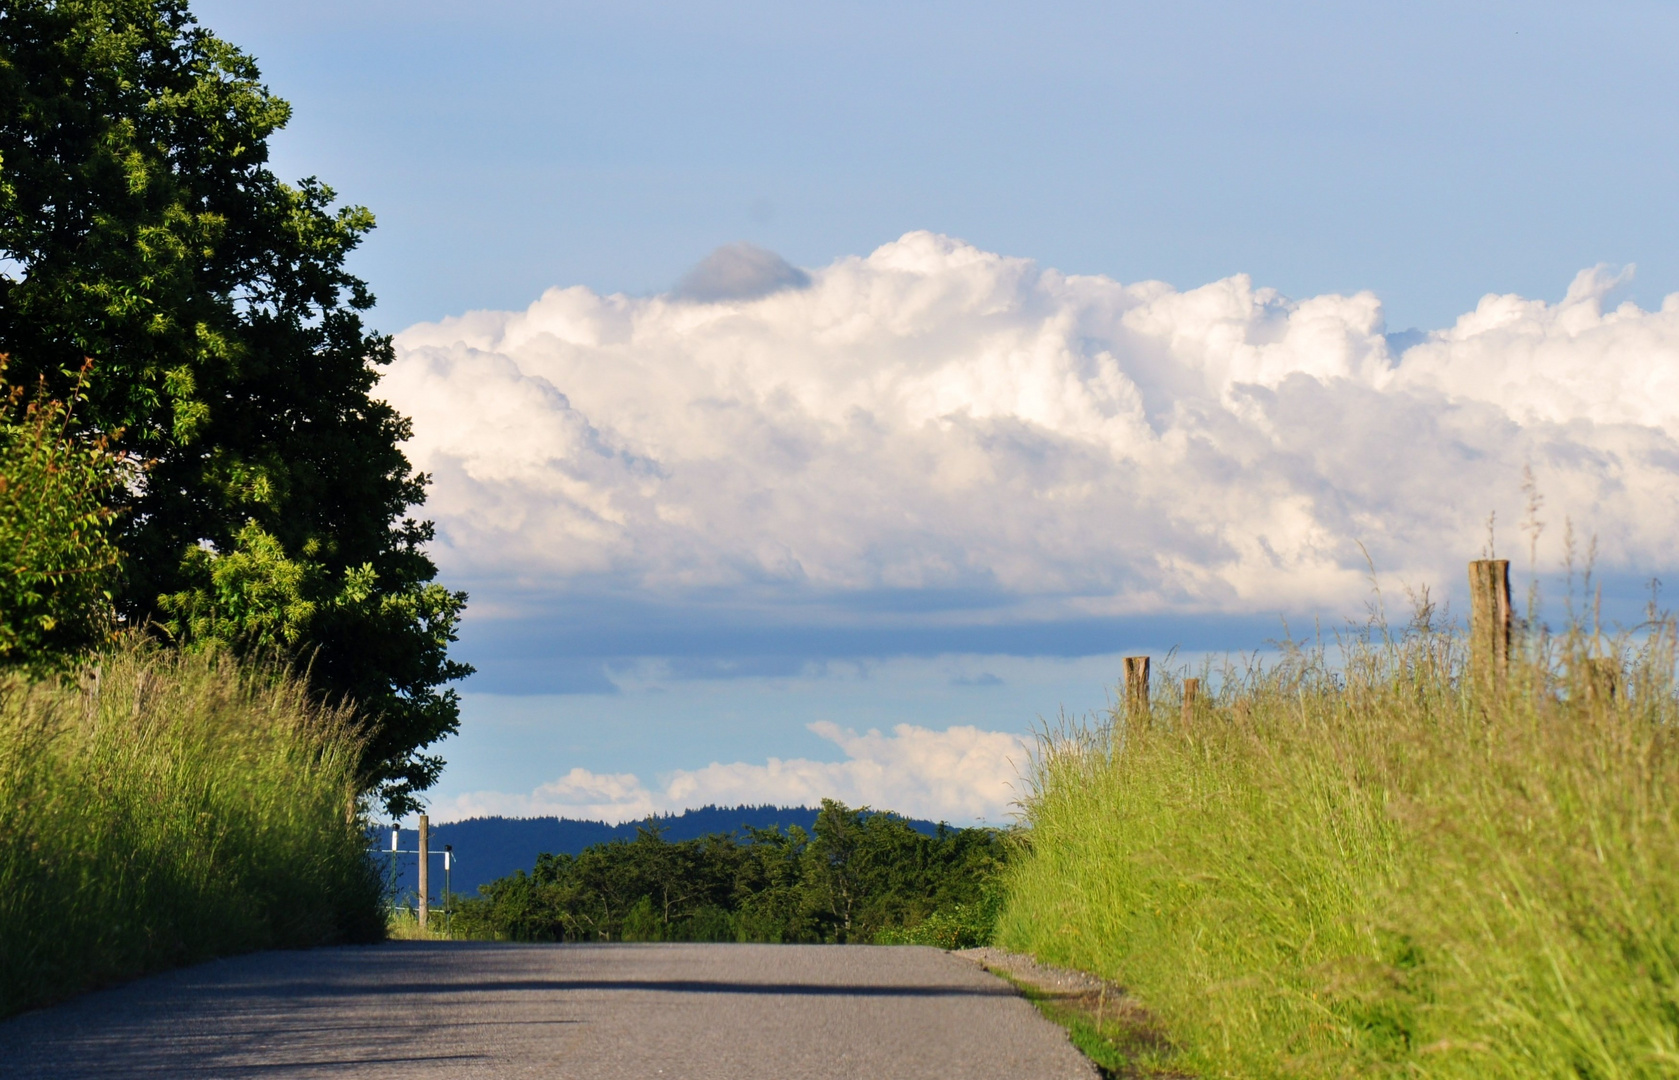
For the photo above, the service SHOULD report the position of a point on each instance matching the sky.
(821, 397)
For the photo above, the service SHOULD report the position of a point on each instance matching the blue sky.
(1431, 152)
(935, 480)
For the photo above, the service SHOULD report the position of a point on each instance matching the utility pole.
(425, 876)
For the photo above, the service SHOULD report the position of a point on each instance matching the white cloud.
(578, 794)
(936, 417)
(961, 775)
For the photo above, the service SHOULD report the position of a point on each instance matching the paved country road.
(429, 1010)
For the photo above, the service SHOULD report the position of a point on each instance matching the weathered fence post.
(1603, 677)
(1191, 691)
(1489, 622)
(1136, 687)
(425, 868)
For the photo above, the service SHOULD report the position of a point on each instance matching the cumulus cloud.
(939, 420)
(961, 775)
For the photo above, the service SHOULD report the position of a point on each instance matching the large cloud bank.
(938, 420)
(961, 775)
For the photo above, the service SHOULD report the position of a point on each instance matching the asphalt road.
(425, 1011)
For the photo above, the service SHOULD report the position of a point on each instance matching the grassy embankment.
(1379, 869)
(172, 808)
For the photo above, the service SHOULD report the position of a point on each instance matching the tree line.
(857, 876)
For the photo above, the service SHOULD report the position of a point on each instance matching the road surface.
(430, 1010)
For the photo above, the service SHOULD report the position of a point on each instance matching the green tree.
(140, 225)
(865, 871)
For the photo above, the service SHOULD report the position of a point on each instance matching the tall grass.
(169, 808)
(1378, 867)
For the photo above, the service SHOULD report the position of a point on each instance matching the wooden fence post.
(1136, 687)
(425, 870)
(1602, 679)
(1489, 622)
(1191, 691)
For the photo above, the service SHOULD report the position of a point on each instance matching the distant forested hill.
(493, 847)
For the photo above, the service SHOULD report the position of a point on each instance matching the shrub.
(58, 565)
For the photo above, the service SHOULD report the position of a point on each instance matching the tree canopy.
(141, 228)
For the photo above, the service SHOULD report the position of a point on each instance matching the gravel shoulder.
(1051, 980)
(1101, 1017)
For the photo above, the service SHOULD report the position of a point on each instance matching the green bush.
(960, 926)
(1378, 869)
(58, 566)
(169, 808)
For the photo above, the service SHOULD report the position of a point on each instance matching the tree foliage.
(858, 876)
(140, 225)
(58, 564)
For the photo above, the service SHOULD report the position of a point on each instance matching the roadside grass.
(1377, 867)
(168, 808)
(403, 924)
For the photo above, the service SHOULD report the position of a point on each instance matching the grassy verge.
(1379, 868)
(167, 809)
